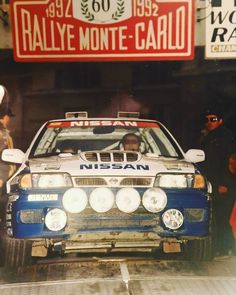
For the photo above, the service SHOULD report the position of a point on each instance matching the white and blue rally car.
(77, 190)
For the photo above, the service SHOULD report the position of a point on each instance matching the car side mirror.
(13, 156)
(195, 155)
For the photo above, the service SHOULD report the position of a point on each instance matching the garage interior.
(174, 92)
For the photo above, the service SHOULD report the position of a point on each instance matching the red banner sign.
(97, 30)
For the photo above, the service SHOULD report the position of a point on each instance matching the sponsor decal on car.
(89, 123)
(114, 166)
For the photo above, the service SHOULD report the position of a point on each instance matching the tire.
(2, 254)
(199, 250)
(15, 252)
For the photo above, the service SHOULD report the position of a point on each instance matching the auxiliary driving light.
(173, 218)
(101, 199)
(75, 200)
(154, 200)
(128, 200)
(55, 219)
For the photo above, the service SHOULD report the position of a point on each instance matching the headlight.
(75, 200)
(55, 219)
(128, 200)
(154, 200)
(101, 199)
(31, 216)
(173, 218)
(180, 181)
(194, 214)
(45, 180)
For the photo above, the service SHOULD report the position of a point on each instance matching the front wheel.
(199, 250)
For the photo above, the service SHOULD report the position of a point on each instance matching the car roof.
(102, 119)
(121, 116)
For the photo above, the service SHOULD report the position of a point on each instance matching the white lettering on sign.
(220, 29)
(105, 29)
(159, 34)
(102, 38)
(39, 33)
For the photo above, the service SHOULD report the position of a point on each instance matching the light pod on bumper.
(173, 218)
(154, 200)
(128, 200)
(101, 199)
(75, 200)
(55, 219)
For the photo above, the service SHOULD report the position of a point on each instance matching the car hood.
(81, 165)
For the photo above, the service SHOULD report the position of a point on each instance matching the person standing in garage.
(218, 143)
(6, 142)
(6, 169)
(227, 191)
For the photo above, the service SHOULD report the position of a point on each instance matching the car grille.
(114, 219)
(132, 181)
(89, 181)
(111, 181)
(111, 156)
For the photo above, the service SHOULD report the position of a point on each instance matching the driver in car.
(131, 142)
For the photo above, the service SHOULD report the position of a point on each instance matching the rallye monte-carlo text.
(78, 190)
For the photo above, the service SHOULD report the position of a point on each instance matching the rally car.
(78, 190)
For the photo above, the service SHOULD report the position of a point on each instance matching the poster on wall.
(220, 29)
(102, 30)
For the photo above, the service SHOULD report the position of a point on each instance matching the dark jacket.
(229, 180)
(217, 145)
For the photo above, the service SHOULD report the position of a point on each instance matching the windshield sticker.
(113, 166)
(84, 123)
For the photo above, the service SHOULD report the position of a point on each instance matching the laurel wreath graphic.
(90, 16)
(120, 10)
(85, 10)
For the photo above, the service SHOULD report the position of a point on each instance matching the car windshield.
(107, 135)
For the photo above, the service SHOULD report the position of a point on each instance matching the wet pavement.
(121, 275)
